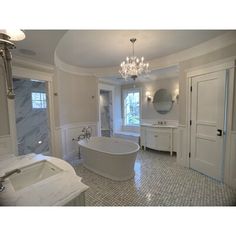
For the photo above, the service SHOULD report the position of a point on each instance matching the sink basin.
(34, 173)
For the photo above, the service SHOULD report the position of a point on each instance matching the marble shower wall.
(31, 124)
(106, 113)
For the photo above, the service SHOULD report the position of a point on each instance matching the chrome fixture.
(133, 66)
(6, 36)
(7, 174)
(81, 137)
(148, 95)
(87, 131)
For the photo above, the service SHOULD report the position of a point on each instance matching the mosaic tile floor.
(158, 181)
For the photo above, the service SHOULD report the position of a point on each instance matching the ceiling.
(39, 45)
(106, 48)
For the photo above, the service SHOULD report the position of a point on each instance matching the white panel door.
(207, 129)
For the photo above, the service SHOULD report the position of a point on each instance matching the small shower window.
(39, 100)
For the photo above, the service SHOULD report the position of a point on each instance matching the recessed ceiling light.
(27, 52)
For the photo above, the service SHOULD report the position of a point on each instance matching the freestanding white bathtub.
(110, 157)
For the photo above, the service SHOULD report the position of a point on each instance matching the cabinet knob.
(155, 136)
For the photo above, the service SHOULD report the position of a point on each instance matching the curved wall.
(76, 99)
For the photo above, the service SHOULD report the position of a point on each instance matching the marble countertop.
(56, 190)
(174, 126)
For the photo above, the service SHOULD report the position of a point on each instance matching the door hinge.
(189, 154)
(190, 122)
(191, 88)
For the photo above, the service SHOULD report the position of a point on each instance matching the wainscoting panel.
(5, 145)
(182, 157)
(66, 136)
(233, 160)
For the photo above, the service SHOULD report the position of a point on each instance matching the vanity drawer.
(158, 140)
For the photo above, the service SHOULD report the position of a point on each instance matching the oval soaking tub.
(110, 157)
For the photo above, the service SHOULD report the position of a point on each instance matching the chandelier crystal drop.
(133, 66)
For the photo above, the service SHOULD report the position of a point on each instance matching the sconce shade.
(14, 34)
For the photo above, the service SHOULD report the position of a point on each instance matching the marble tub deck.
(158, 181)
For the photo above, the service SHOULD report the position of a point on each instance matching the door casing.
(36, 74)
(228, 65)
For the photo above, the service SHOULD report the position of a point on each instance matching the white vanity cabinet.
(162, 138)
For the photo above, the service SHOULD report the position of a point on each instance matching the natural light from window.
(131, 107)
(39, 100)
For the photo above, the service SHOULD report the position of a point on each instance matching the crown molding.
(206, 47)
(96, 72)
(24, 62)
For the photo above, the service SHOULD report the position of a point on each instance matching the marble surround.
(158, 181)
(31, 124)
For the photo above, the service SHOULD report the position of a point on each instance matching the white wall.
(76, 106)
(77, 98)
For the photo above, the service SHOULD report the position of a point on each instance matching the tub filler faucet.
(81, 136)
(87, 131)
(7, 174)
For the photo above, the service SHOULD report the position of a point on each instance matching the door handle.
(219, 132)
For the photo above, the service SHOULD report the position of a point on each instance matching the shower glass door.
(31, 112)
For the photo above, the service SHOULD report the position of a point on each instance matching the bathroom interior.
(118, 118)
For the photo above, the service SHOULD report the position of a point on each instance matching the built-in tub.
(113, 158)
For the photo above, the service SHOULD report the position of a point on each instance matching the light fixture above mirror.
(148, 96)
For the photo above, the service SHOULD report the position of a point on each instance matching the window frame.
(124, 93)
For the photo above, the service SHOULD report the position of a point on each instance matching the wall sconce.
(6, 36)
(148, 95)
(176, 96)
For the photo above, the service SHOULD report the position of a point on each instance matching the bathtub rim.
(80, 143)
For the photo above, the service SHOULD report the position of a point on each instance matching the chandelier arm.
(133, 67)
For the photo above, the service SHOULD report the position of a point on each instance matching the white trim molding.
(227, 65)
(32, 64)
(32, 71)
(219, 65)
(206, 47)
(232, 164)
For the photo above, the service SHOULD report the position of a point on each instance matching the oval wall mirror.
(162, 101)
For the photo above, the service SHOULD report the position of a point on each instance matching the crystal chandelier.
(133, 66)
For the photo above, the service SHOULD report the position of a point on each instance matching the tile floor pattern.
(158, 181)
